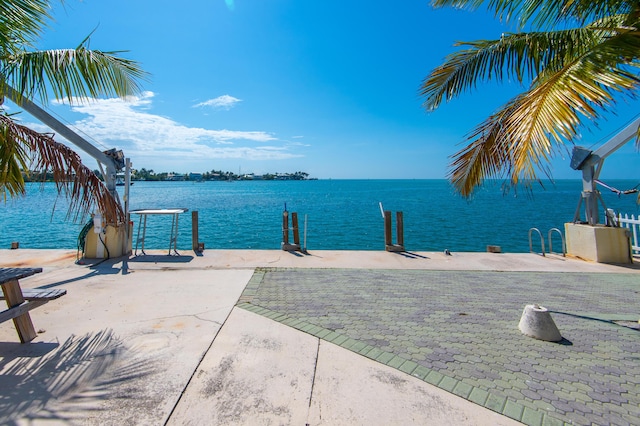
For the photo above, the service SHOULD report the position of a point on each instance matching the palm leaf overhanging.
(71, 74)
(83, 188)
(574, 74)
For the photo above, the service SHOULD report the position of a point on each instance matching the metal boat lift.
(590, 163)
(113, 160)
(110, 163)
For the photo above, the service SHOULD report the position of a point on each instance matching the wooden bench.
(20, 302)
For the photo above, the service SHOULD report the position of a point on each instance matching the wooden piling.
(294, 225)
(194, 230)
(285, 232)
(388, 234)
(388, 240)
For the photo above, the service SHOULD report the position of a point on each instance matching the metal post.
(285, 227)
(194, 230)
(305, 234)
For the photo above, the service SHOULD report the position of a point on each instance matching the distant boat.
(120, 182)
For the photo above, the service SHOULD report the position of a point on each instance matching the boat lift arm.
(112, 160)
(590, 163)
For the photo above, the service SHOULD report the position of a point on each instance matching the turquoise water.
(341, 214)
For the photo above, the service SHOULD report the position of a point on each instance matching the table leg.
(23, 324)
(138, 235)
(174, 235)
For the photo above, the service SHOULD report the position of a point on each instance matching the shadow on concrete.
(102, 267)
(34, 377)
(409, 255)
(294, 253)
(159, 258)
(70, 280)
(12, 350)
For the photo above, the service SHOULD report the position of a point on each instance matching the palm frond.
(520, 138)
(73, 73)
(40, 152)
(547, 13)
(21, 22)
(12, 163)
(519, 56)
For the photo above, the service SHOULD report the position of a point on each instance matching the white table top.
(159, 211)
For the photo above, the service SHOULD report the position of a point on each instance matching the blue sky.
(325, 87)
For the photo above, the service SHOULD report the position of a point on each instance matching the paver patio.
(459, 330)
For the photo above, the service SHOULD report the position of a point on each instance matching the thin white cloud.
(145, 136)
(225, 102)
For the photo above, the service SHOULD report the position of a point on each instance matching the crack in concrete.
(313, 379)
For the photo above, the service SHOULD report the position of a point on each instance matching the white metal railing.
(633, 224)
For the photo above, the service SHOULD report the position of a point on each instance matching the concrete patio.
(270, 337)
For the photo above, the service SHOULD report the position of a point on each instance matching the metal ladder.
(549, 237)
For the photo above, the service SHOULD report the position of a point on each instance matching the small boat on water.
(120, 182)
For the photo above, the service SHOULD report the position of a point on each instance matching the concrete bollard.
(536, 322)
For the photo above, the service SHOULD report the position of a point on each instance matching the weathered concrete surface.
(257, 372)
(262, 372)
(117, 349)
(233, 259)
(350, 389)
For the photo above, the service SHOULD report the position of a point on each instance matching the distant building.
(175, 176)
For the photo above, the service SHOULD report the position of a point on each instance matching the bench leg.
(23, 324)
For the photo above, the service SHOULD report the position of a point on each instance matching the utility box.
(599, 243)
(115, 241)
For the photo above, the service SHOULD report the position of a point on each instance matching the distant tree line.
(149, 175)
(144, 174)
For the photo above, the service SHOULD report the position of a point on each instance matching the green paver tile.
(322, 334)
(579, 396)
(349, 343)
(290, 322)
(582, 387)
(542, 405)
(385, 357)
(448, 383)
(408, 367)
(315, 330)
(495, 403)
(374, 353)
(513, 410)
(421, 372)
(366, 350)
(531, 417)
(396, 362)
(479, 396)
(340, 339)
(249, 307)
(463, 389)
(331, 336)
(260, 310)
(551, 421)
(358, 347)
(434, 378)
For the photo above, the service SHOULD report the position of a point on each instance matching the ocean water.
(341, 214)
